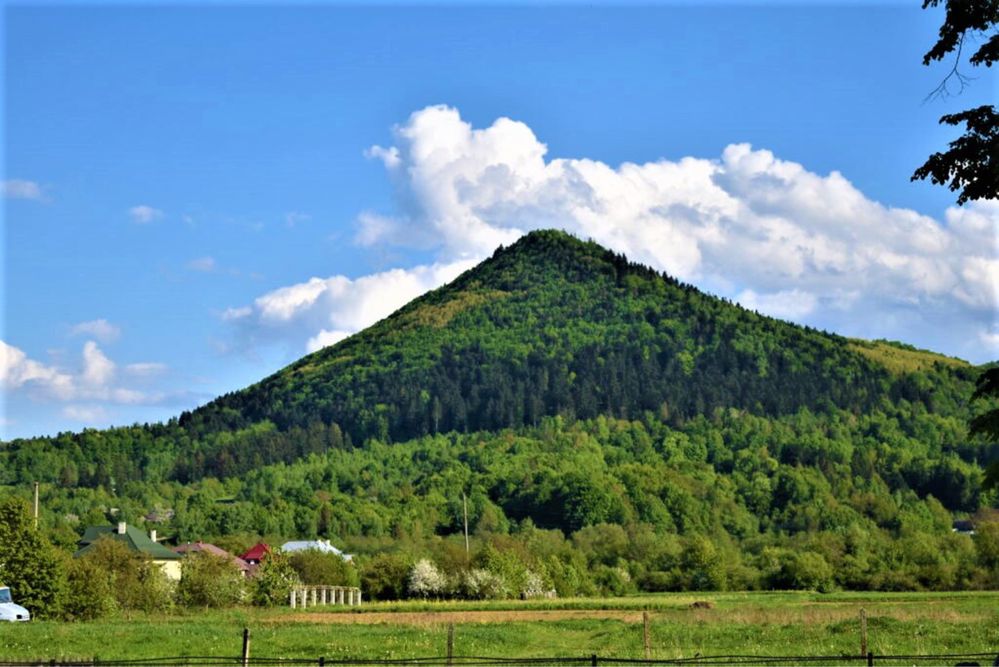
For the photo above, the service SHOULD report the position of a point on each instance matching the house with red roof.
(256, 554)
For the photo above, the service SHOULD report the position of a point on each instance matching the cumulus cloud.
(143, 214)
(322, 311)
(765, 231)
(95, 379)
(17, 370)
(745, 224)
(100, 329)
(20, 189)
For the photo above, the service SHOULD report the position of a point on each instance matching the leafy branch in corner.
(971, 163)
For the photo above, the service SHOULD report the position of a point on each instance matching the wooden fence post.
(863, 632)
(450, 643)
(293, 596)
(246, 647)
(645, 635)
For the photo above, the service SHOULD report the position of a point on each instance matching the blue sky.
(196, 195)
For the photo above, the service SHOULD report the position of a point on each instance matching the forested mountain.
(549, 326)
(612, 428)
(553, 325)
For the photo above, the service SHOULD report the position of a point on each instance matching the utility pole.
(464, 507)
(36, 505)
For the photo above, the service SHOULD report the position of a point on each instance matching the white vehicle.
(10, 611)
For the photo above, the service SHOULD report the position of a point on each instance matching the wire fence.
(988, 659)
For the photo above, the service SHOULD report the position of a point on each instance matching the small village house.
(195, 547)
(136, 540)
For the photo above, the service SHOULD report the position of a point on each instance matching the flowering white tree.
(485, 585)
(426, 580)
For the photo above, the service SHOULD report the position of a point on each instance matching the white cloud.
(98, 370)
(20, 189)
(143, 214)
(788, 304)
(322, 311)
(781, 238)
(202, 264)
(388, 156)
(746, 224)
(17, 370)
(95, 379)
(325, 338)
(100, 329)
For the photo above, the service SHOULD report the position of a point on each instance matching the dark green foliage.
(29, 564)
(208, 580)
(971, 164)
(384, 576)
(986, 423)
(315, 567)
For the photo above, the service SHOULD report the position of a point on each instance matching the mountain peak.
(556, 325)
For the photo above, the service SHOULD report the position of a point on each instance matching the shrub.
(88, 592)
(209, 581)
(135, 581)
(384, 577)
(274, 580)
(799, 570)
(323, 569)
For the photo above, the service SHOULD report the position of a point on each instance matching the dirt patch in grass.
(804, 615)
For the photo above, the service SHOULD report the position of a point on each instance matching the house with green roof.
(136, 540)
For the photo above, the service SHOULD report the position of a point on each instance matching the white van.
(10, 611)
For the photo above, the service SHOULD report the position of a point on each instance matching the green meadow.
(735, 623)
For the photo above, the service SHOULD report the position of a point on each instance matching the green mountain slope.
(549, 326)
(553, 325)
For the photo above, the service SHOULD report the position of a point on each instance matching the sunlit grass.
(743, 623)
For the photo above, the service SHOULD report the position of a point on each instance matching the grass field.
(743, 623)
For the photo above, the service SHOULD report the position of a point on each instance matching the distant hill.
(548, 326)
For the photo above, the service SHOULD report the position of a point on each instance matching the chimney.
(152, 535)
(121, 527)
